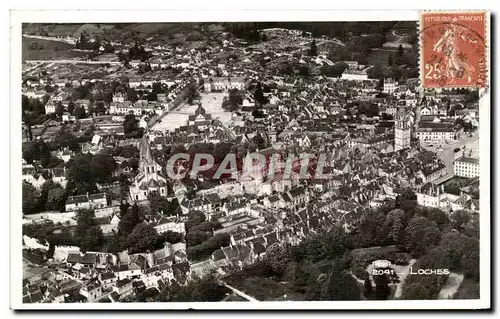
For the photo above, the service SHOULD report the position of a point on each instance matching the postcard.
(231, 160)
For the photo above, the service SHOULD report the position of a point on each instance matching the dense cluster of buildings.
(376, 146)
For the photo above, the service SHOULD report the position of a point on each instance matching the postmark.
(453, 49)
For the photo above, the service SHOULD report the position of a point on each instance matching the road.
(451, 286)
(239, 293)
(446, 154)
(73, 62)
(49, 38)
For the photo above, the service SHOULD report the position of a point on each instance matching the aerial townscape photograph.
(248, 162)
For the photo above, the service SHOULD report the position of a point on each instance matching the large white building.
(87, 201)
(389, 86)
(431, 195)
(128, 107)
(224, 84)
(436, 131)
(466, 167)
(355, 75)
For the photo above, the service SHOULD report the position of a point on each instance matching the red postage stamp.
(453, 49)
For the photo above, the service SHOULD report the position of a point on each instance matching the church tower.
(402, 130)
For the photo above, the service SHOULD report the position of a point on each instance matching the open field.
(255, 282)
(51, 50)
(381, 56)
(212, 102)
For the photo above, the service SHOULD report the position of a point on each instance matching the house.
(32, 294)
(466, 167)
(67, 117)
(298, 196)
(432, 131)
(152, 275)
(355, 75)
(108, 224)
(389, 86)
(164, 224)
(224, 83)
(274, 201)
(88, 259)
(108, 279)
(182, 272)
(92, 290)
(92, 201)
(124, 287)
(126, 271)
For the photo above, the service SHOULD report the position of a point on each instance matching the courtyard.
(211, 102)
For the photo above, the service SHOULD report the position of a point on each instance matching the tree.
(30, 195)
(340, 285)
(258, 95)
(56, 198)
(304, 70)
(128, 221)
(313, 51)
(376, 72)
(438, 216)
(368, 289)
(198, 290)
(87, 233)
(71, 107)
(131, 126)
(91, 109)
(305, 279)
(335, 70)
(456, 251)
(59, 109)
(100, 109)
(259, 141)
(194, 218)
(93, 239)
(422, 234)
(196, 237)
(157, 203)
(192, 92)
(401, 51)
(65, 138)
(204, 250)
(277, 257)
(171, 237)
(124, 206)
(459, 219)
(79, 112)
(142, 238)
(235, 98)
(382, 290)
(80, 174)
(132, 95)
(102, 167)
(36, 150)
(416, 291)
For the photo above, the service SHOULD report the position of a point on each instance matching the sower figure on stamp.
(454, 60)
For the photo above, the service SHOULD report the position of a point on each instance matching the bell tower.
(402, 130)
